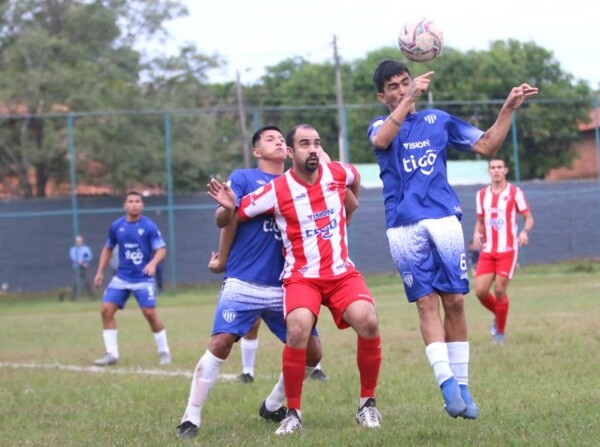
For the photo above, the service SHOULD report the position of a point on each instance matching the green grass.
(540, 389)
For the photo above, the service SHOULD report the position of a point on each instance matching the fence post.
(515, 144)
(72, 175)
(170, 208)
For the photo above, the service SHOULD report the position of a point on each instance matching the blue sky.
(256, 34)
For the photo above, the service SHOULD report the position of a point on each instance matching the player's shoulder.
(243, 172)
(118, 221)
(146, 221)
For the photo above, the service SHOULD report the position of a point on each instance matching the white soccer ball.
(421, 41)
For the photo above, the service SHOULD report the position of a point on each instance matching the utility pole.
(341, 111)
(242, 113)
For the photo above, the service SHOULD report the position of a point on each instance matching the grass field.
(541, 389)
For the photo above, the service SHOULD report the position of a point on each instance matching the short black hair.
(289, 138)
(256, 136)
(386, 70)
(133, 192)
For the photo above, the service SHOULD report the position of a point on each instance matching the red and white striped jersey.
(311, 218)
(499, 213)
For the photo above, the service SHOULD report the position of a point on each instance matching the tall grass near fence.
(540, 389)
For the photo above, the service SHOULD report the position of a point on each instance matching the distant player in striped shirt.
(496, 234)
(308, 205)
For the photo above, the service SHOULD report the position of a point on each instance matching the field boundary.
(110, 370)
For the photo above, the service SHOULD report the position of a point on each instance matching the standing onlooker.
(81, 256)
(496, 234)
(141, 248)
(422, 213)
(308, 204)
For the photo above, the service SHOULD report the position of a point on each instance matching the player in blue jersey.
(141, 247)
(251, 288)
(423, 213)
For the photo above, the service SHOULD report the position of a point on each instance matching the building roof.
(594, 118)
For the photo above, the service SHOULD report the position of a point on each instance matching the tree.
(60, 56)
(473, 85)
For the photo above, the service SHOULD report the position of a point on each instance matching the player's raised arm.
(493, 138)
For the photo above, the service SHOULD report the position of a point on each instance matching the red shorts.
(502, 264)
(336, 294)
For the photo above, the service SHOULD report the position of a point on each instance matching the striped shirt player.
(252, 284)
(308, 205)
(423, 212)
(496, 234)
(499, 212)
(312, 220)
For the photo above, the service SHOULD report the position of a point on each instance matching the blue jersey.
(137, 243)
(413, 168)
(257, 251)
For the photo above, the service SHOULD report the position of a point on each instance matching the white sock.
(110, 342)
(248, 349)
(458, 354)
(205, 376)
(161, 341)
(437, 354)
(274, 401)
(318, 366)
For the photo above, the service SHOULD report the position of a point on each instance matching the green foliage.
(539, 389)
(91, 58)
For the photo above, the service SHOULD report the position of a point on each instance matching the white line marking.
(110, 370)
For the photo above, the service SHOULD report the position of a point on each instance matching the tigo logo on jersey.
(496, 223)
(229, 315)
(424, 163)
(325, 231)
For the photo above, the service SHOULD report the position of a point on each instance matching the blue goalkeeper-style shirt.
(257, 251)
(413, 169)
(137, 243)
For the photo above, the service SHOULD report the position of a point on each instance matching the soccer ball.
(421, 41)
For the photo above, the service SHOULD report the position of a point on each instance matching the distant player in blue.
(141, 248)
(423, 213)
(251, 287)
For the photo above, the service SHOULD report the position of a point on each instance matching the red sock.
(489, 302)
(368, 358)
(502, 306)
(294, 361)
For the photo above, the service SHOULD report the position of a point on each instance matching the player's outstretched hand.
(419, 85)
(519, 94)
(221, 193)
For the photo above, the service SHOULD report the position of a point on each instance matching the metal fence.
(174, 152)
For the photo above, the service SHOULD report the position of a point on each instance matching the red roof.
(594, 115)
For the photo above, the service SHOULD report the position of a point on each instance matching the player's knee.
(220, 345)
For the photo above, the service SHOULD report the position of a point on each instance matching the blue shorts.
(118, 292)
(241, 303)
(430, 257)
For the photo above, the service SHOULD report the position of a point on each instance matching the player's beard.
(311, 164)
